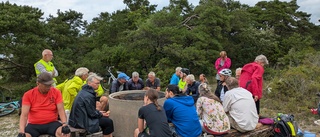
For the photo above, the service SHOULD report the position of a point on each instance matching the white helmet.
(226, 72)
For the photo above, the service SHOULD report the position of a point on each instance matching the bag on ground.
(285, 126)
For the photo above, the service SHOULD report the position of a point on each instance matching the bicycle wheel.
(6, 109)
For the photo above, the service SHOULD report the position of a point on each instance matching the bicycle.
(8, 108)
(107, 80)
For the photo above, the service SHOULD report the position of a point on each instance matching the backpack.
(285, 126)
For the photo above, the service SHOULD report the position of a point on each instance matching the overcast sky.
(92, 8)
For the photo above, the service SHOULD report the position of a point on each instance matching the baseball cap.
(45, 78)
(123, 76)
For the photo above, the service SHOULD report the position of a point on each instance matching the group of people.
(43, 107)
(123, 82)
(190, 103)
(235, 102)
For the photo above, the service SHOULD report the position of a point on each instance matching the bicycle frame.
(112, 77)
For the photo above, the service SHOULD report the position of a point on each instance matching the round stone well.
(124, 107)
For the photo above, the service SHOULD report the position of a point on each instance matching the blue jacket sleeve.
(168, 107)
(90, 108)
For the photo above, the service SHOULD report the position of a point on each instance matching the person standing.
(154, 116)
(45, 65)
(84, 113)
(238, 73)
(176, 76)
(40, 109)
(223, 62)
(251, 78)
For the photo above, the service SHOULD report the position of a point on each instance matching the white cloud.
(92, 8)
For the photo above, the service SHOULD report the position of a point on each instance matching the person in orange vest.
(45, 65)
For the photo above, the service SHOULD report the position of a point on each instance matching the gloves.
(21, 135)
(65, 130)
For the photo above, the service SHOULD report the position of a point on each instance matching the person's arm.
(114, 85)
(62, 114)
(55, 72)
(41, 68)
(227, 63)
(217, 64)
(147, 86)
(72, 89)
(256, 77)
(167, 106)
(126, 86)
(158, 84)
(142, 84)
(226, 103)
(187, 91)
(140, 124)
(23, 118)
(199, 107)
(196, 89)
(91, 110)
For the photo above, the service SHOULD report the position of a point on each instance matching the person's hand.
(256, 98)
(146, 88)
(21, 135)
(106, 114)
(65, 130)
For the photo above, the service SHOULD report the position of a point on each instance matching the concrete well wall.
(124, 113)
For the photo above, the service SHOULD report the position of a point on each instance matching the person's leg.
(53, 128)
(106, 125)
(32, 130)
(258, 106)
(234, 124)
(136, 132)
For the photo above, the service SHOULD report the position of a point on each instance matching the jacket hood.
(183, 99)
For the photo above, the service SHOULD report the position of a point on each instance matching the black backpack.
(285, 126)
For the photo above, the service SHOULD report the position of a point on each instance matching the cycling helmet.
(226, 72)
(185, 70)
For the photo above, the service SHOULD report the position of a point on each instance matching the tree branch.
(184, 23)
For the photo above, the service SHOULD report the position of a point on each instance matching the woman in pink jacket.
(223, 62)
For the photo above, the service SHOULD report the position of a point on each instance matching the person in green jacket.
(73, 86)
(45, 65)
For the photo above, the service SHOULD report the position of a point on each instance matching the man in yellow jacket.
(73, 86)
(45, 65)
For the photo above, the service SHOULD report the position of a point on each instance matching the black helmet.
(185, 70)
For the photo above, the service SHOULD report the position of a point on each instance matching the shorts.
(36, 130)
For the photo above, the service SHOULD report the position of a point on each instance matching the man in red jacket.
(251, 78)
